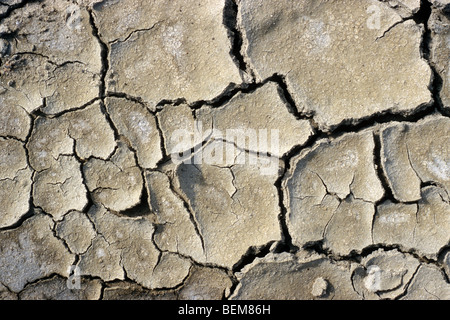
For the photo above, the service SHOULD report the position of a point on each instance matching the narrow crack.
(126, 96)
(382, 177)
(61, 113)
(118, 40)
(230, 21)
(104, 53)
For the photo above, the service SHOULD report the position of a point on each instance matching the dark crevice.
(318, 247)
(104, 53)
(245, 88)
(377, 159)
(228, 93)
(39, 112)
(165, 155)
(251, 254)
(357, 256)
(422, 16)
(286, 238)
(117, 135)
(125, 96)
(90, 201)
(353, 125)
(230, 13)
(288, 99)
(142, 209)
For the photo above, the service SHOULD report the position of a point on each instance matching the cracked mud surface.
(224, 149)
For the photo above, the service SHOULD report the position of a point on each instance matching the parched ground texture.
(118, 119)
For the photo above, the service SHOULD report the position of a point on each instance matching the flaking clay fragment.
(56, 288)
(14, 121)
(57, 29)
(205, 283)
(428, 284)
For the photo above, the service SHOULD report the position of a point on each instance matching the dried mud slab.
(205, 283)
(259, 121)
(384, 274)
(138, 126)
(224, 149)
(60, 188)
(256, 121)
(84, 132)
(271, 278)
(14, 121)
(50, 56)
(230, 215)
(116, 183)
(423, 226)
(175, 231)
(180, 130)
(338, 62)
(428, 284)
(32, 252)
(332, 186)
(56, 288)
(416, 153)
(77, 231)
(32, 82)
(15, 179)
(181, 48)
(124, 245)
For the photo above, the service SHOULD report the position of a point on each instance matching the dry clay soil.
(116, 180)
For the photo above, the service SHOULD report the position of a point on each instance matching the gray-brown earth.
(224, 149)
